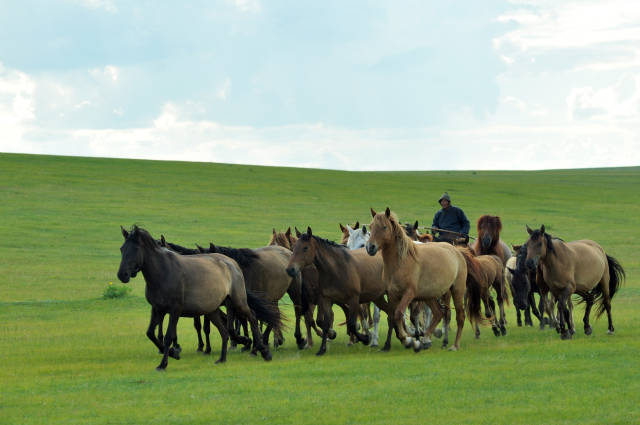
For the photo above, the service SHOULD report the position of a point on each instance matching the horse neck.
(329, 261)
(155, 265)
(395, 252)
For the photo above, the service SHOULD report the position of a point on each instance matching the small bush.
(115, 291)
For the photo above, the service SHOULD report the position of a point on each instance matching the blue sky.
(419, 85)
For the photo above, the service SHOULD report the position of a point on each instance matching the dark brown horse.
(579, 267)
(412, 231)
(189, 286)
(309, 282)
(346, 278)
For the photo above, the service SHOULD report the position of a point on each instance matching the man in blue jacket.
(449, 218)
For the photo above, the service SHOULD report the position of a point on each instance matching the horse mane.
(491, 225)
(243, 256)
(322, 242)
(280, 239)
(143, 237)
(548, 239)
(182, 250)
(403, 242)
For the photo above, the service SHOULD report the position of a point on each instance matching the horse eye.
(362, 246)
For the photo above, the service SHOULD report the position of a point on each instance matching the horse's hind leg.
(436, 316)
(587, 311)
(325, 318)
(170, 337)
(500, 292)
(376, 323)
(219, 323)
(295, 293)
(572, 326)
(198, 326)
(351, 311)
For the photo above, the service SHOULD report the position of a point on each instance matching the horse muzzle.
(293, 271)
(371, 248)
(124, 277)
(532, 263)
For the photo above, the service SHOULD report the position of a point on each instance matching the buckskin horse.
(581, 267)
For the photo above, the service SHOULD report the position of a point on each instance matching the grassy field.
(70, 357)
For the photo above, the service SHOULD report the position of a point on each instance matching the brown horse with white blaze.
(581, 267)
(423, 272)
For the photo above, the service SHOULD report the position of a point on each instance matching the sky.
(347, 85)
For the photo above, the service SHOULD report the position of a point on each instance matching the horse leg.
(325, 318)
(444, 305)
(376, 323)
(436, 316)
(587, 311)
(569, 313)
(169, 338)
(398, 316)
(198, 326)
(295, 293)
(563, 315)
(534, 310)
(219, 323)
(518, 319)
(351, 311)
(500, 298)
(156, 320)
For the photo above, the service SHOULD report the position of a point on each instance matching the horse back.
(438, 266)
(205, 281)
(589, 263)
(267, 273)
(369, 268)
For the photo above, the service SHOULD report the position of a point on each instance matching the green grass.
(70, 357)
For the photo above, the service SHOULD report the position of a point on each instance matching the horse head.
(537, 245)
(383, 230)
(489, 227)
(357, 237)
(131, 250)
(304, 252)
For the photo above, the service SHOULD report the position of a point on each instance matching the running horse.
(189, 286)
(346, 278)
(580, 267)
(422, 272)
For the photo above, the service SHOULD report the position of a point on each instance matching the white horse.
(357, 239)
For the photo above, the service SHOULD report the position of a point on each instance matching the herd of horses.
(389, 265)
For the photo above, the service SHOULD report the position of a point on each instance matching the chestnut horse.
(488, 241)
(492, 276)
(579, 267)
(423, 272)
(347, 278)
(189, 286)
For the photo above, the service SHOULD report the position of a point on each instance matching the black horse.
(523, 286)
(189, 286)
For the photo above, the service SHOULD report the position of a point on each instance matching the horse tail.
(474, 294)
(616, 276)
(264, 310)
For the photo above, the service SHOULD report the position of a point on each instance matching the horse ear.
(542, 229)
(511, 270)
(163, 241)
(342, 228)
(288, 232)
(387, 212)
(298, 234)
(124, 232)
(516, 248)
(364, 229)
(309, 233)
(201, 249)
(415, 226)
(356, 226)
(274, 230)
(373, 213)
(529, 229)
(212, 247)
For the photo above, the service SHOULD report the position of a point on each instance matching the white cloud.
(619, 102)
(17, 108)
(247, 6)
(106, 5)
(224, 90)
(108, 73)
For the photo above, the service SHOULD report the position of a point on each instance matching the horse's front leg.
(351, 311)
(198, 326)
(325, 318)
(169, 338)
(219, 322)
(156, 320)
(398, 316)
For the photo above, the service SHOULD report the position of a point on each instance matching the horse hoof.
(609, 332)
(302, 344)
(408, 342)
(200, 349)
(496, 331)
(220, 361)
(174, 354)
(453, 348)
(366, 340)
(417, 346)
(426, 345)
(321, 352)
(588, 330)
(266, 355)
(565, 336)
(503, 331)
(437, 333)
(374, 344)
(519, 324)
(332, 334)
(161, 368)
